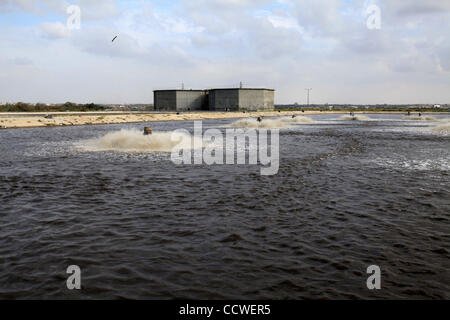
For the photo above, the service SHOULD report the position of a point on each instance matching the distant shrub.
(40, 107)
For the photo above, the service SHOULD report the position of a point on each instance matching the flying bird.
(114, 39)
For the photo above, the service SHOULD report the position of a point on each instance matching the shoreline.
(68, 119)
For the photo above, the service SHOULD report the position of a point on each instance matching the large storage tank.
(241, 99)
(180, 100)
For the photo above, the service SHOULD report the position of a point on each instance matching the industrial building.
(241, 99)
(230, 99)
(180, 100)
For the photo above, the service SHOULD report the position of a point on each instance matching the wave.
(264, 124)
(356, 117)
(419, 118)
(442, 128)
(298, 119)
(133, 140)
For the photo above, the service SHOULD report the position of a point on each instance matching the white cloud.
(55, 30)
(286, 44)
(37, 7)
(418, 7)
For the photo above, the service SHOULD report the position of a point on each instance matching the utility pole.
(241, 85)
(182, 86)
(309, 89)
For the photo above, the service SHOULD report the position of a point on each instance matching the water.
(348, 194)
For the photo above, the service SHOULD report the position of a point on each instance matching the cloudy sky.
(288, 45)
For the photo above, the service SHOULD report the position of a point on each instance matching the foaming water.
(419, 118)
(356, 117)
(298, 119)
(264, 124)
(443, 128)
(133, 140)
(400, 163)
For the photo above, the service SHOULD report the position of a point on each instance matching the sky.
(347, 51)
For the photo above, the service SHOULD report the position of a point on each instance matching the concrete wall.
(269, 100)
(165, 100)
(191, 100)
(241, 99)
(221, 100)
(180, 100)
(254, 100)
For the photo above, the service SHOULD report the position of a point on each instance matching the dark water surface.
(348, 194)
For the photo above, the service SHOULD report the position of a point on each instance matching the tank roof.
(212, 89)
(188, 90)
(241, 89)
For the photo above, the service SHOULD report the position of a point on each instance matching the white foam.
(133, 140)
(356, 117)
(419, 118)
(443, 128)
(298, 119)
(264, 124)
(413, 164)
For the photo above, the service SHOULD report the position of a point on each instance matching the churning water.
(132, 140)
(348, 194)
(443, 127)
(419, 118)
(270, 123)
(298, 119)
(252, 123)
(355, 117)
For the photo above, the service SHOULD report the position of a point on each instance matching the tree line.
(40, 107)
